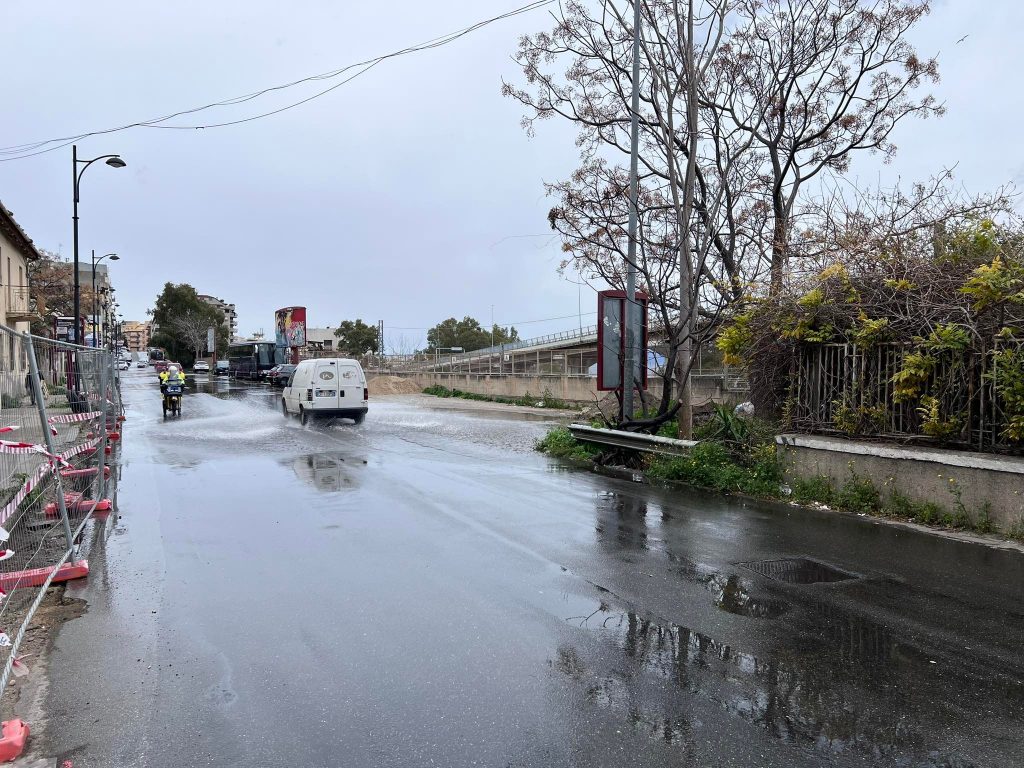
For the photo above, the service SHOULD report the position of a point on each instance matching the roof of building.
(14, 233)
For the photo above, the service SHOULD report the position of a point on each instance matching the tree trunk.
(780, 249)
(684, 416)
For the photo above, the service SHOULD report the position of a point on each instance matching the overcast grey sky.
(402, 196)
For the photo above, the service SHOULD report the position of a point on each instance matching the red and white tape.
(71, 418)
(37, 477)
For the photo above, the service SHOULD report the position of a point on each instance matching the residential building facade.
(230, 315)
(136, 335)
(16, 307)
(321, 339)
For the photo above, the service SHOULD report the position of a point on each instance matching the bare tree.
(814, 82)
(191, 329)
(693, 219)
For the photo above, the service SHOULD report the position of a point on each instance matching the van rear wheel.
(359, 418)
(284, 408)
(303, 416)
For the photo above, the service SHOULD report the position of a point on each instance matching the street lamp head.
(116, 162)
(114, 257)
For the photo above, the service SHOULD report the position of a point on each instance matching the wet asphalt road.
(425, 590)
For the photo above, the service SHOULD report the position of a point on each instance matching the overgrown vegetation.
(544, 401)
(9, 401)
(560, 443)
(742, 459)
(935, 316)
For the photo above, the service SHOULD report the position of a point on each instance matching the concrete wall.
(921, 474)
(581, 389)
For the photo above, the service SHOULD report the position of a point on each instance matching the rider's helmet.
(172, 370)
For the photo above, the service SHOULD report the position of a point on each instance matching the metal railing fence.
(848, 389)
(60, 409)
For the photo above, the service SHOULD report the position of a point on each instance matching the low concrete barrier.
(581, 389)
(920, 474)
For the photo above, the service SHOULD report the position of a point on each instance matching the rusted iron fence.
(850, 390)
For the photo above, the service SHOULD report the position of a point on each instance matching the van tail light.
(309, 395)
(366, 393)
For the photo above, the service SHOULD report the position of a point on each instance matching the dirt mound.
(393, 385)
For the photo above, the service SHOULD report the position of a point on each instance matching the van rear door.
(325, 385)
(353, 382)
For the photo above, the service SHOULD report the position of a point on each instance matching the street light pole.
(95, 261)
(114, 161)
(629, 364)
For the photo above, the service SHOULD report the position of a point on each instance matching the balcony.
(19, 304)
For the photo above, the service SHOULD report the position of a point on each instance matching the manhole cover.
(798, 570)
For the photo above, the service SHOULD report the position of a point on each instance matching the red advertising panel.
(290, 327)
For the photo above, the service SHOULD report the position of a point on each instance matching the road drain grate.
(798, 570)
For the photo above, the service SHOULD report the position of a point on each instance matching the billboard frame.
(620, 296)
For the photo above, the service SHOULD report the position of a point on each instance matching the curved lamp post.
(114, 161)
(95, 309)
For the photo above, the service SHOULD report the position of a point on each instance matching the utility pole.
(629, 363)
(490, 355)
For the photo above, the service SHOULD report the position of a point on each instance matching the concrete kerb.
(988, 540)
(946, 477)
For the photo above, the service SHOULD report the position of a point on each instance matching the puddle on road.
(798, 570)
(730, 595)
(890, 706)
(330, 472)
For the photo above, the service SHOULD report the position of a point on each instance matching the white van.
(330, 386)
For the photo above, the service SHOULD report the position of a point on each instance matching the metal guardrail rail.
(632, 440)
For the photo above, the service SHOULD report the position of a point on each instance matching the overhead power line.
(31, 149)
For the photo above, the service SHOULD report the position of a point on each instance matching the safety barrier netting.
(60, 415)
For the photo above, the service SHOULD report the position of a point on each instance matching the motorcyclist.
(173, 373)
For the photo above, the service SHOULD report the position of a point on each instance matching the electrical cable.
(32, 149)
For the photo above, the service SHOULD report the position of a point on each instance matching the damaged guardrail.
(636, 441)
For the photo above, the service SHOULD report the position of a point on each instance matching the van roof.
(334, 361)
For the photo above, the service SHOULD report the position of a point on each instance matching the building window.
(328, 344)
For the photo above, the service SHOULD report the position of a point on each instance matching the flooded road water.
(426, 590)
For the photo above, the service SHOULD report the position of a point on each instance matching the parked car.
(279, 374)
(124, 365)
(201, 366)
(327, 387)
(221, 368)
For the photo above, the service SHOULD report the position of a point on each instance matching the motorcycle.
(172, 398)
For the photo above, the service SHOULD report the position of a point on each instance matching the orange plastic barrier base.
(113, 435)
(12, 743)
(36, 576)
(75, 503)
(88, 472)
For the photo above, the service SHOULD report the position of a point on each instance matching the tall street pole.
(78, 297)
(95, 309)
(629, 363)
(114, 161)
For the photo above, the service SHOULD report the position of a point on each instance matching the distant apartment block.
(230, 316)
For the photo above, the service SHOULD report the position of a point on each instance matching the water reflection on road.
(433, 591)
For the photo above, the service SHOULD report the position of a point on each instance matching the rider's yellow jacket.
(165, 375)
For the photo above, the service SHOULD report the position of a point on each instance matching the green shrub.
(711, 465)
(9, 401)
(547, 400)
(560, 443)
(925, 512)
(858, 494)
(984, 523)
(813, 489)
